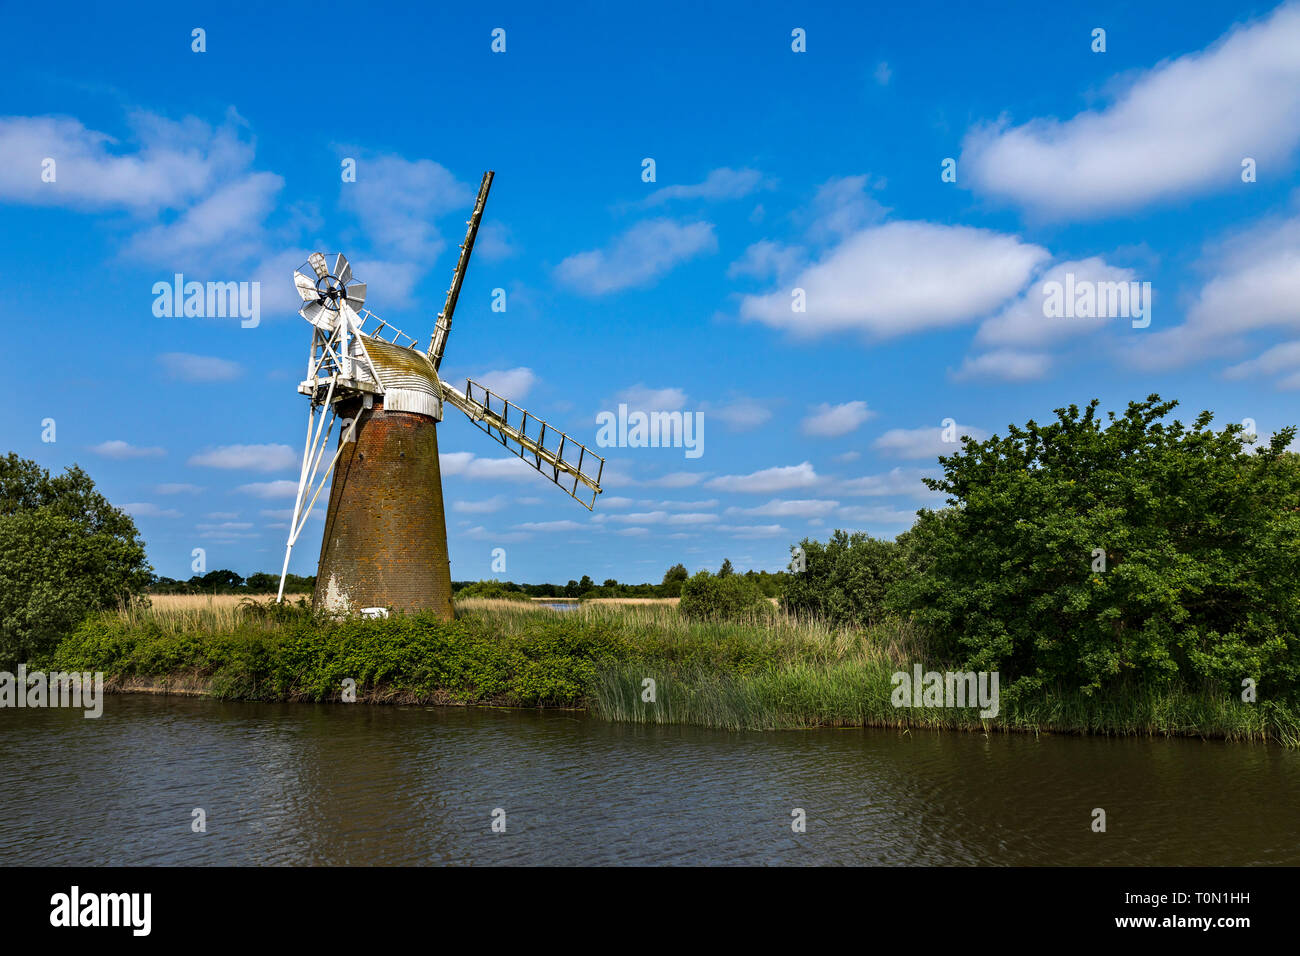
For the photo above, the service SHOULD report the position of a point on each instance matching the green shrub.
(64, 552)
(846, 581)
(732, 597)
(1093, 556)
(491, 589)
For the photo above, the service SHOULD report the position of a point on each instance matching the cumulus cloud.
(790, 508)
(724, 183)
(396, 201)
(842, 206)
(249, 457)
(1180, 128)
(145, 509)
(767, 480)
(640, 255)
(272, 489)
(643, 398)
(116, 448)
(828, 421)
(740, 414)
(925, 442)
(767, 259)
(511, 383)
(198, 368)
(468, 465)
(1006, 365)
(901, 277)
(1254, 285)
(896, 481)
(166, 164)
(1283, 360)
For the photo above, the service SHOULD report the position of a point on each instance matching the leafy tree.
(846, 581)
(726, 568)
(64, 551)
(673, 579)
(708, 597)
(1088, 555)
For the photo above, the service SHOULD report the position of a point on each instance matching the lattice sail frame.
(567, 462)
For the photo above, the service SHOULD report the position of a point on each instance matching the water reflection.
(335, 784)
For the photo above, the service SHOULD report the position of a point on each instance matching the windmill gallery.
(385, 540)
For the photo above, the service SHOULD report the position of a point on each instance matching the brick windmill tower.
(385, 542)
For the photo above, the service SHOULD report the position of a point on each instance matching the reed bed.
(770, 672)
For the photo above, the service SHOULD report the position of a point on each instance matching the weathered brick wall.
(385, 541)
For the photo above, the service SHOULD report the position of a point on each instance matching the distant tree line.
(763, 582)
(226, 581)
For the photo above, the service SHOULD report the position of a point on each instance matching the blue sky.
(775, 170)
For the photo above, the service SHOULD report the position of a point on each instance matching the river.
(358, 784)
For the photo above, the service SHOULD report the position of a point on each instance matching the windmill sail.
(439, 340)
(569, 463)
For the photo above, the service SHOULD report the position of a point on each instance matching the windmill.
(385, 541)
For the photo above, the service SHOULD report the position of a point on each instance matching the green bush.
(1093, 556)
(491, 589)
(64, 552)
(846, 581)
(731, 597)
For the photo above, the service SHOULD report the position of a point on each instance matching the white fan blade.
(312, 312)
(342, 269)
(317, 262)
(356, 295)
(306, 287)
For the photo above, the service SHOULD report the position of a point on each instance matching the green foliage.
(1199, 534)
(492, 589)
(708, 597)
(674, 578)
(845, 581)
(64, 551)
(225, 581)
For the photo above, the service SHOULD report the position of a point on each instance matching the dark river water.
(340, 784)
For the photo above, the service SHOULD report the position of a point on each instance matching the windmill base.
(385, 540)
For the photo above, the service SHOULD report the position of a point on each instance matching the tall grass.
(766, 673)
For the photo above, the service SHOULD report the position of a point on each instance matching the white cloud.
(790, 508)
(767, 259)
(877, 515)
(740, 414)
(122, 450)
(177, 488)
(637, 257)
(1280, 358)
(752, 531)
(883, 73)
(145, 509)
(1006, 365)
(249, 457)
(896, 481)
(1180, 128)
(512, 383)
(224, 227)
(767, 480)
(1022, 324)
(924, 442)
(841, 207)
(641, 398)
(1255, 285)
(902, 277)
(486, 506)
(468, 465)
(829, 421)
(564, 525)
(396, 200)
(199, 368)
(172, 162)
(722, 183)
(272, 489)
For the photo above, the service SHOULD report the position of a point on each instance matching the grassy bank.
(768, 673)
